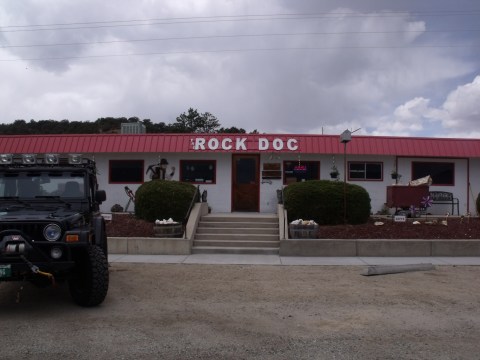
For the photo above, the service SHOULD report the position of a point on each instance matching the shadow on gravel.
(20, 296)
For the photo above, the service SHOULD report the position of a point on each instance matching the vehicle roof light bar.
(52, 159)
(46, 160)
(29, 159)
(6, 159)
(74, 159)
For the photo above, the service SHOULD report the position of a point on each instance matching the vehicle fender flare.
(99, 231)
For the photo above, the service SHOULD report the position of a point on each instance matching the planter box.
(303, 231)
(168, 231)
(400, 196)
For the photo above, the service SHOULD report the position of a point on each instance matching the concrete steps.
(234, 230)
(234, 250)
(237, 233)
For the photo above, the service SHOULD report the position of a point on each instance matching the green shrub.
(477, 203)
(323, 201)
(161, 199)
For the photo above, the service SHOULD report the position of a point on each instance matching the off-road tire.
(101, 236)
(89, 284)
(104, 241)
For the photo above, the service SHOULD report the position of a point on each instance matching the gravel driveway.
(162, 311)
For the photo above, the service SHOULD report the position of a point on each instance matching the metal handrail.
(196, 196)
(285, 220)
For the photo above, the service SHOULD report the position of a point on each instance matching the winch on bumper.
(23, 258)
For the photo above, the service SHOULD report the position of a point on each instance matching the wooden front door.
(245, 183)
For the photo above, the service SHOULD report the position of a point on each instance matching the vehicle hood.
(40, 214)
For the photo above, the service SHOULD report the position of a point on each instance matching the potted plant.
(334, 172)
(395, 175)
(167, 228)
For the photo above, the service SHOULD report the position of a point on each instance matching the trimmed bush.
(477, 203)
(161, 199)
(323, 201)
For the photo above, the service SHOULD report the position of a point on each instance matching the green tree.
(231, 130)
(21, 127)
(110, 124)
(190, 122)
(160, 127)
(193, 122)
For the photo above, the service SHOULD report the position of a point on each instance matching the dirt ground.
(162, 311)
(431, 228)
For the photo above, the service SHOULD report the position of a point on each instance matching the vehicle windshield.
(42, 184)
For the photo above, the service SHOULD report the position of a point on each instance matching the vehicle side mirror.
(100, 196)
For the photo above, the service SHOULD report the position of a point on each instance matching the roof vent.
(133, 128)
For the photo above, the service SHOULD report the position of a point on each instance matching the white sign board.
(400, 218)
(107, 217)
(240, 144)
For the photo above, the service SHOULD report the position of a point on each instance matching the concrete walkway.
(222, 259)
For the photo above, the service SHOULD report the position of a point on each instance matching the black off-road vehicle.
(51, 229)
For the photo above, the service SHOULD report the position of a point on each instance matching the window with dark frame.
(198, 171)
(126, 171)
(272, 171)
(295, 171)
(365, 171)
(441, 173)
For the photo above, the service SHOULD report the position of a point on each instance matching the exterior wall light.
(345, 138)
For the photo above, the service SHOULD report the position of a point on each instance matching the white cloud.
(363, 67)
(458, 116)
(461, 109)
(412, 109)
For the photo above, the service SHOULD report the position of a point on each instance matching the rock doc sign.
(240, 144)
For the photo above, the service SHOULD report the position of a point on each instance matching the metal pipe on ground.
(396, 269)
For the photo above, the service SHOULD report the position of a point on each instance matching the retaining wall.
(160, 246)
(380, 248)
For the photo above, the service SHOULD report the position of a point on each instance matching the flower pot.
(298, 231)
(168, 230)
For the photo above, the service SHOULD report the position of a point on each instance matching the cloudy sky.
(386, 67)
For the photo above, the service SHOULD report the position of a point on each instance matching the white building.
(242, 172)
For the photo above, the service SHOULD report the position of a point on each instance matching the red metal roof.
(237, 143)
